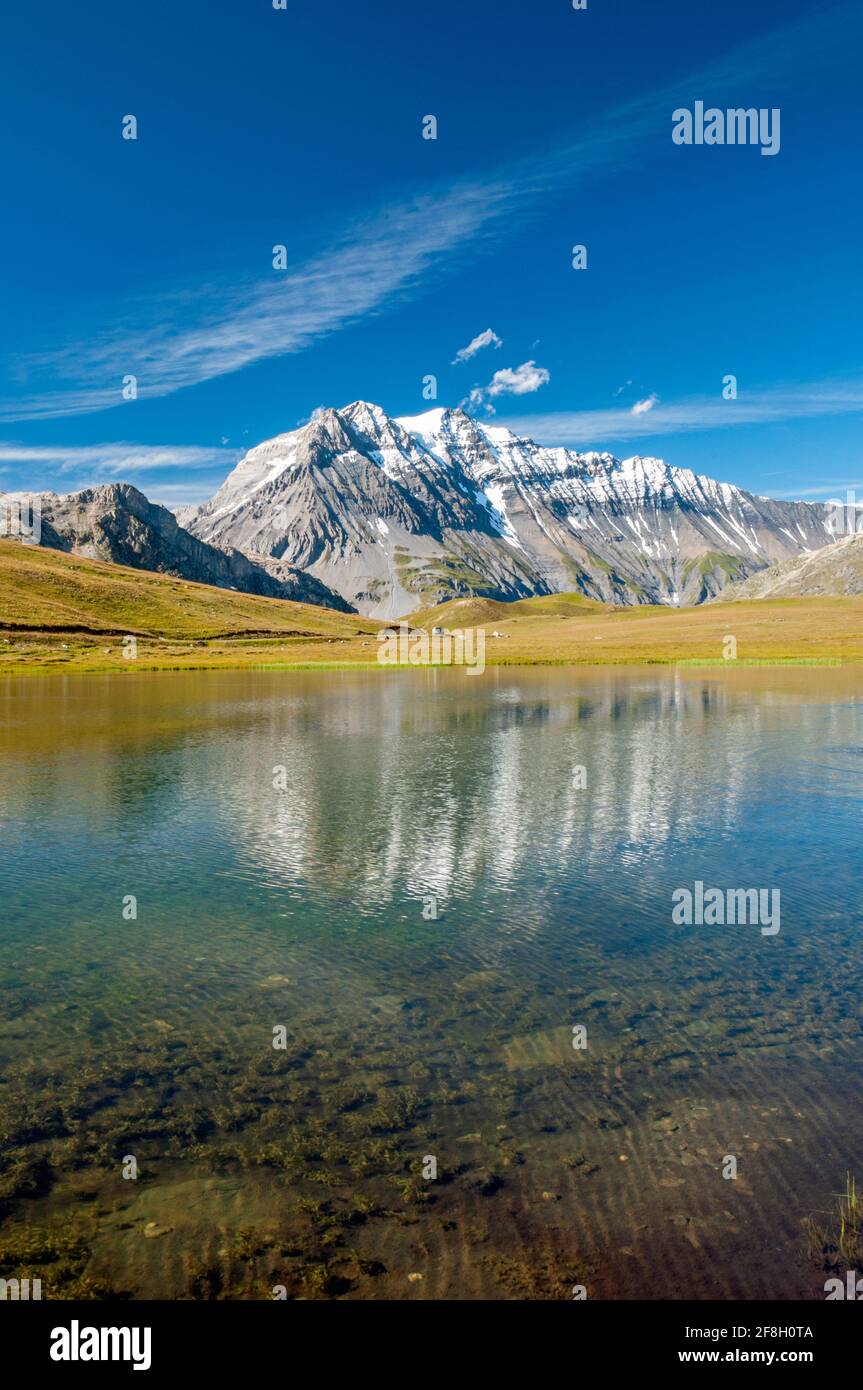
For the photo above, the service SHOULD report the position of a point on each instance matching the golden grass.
(49, 590)
(765, 630)
(62, 613)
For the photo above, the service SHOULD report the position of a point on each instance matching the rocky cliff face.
(396, 514)
(116, 522)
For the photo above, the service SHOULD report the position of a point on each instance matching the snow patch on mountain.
(471, 507)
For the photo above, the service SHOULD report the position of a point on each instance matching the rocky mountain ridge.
(115, 522)
(396, 514)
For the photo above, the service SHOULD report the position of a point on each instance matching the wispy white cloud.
(173, 495)
(590, 428)
(642, 407)
(313, 415)
(113, 460)
(379, 260)
(171, 474)
(835, 490)
(389, 255)
(488, 338)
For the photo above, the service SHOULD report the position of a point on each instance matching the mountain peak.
(397, 512)
(364, 413)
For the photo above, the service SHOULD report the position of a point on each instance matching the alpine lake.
(367, 984)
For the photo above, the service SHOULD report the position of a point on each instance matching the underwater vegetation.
(426, 1127)
(835, 1240)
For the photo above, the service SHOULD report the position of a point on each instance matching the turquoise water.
(426, 903)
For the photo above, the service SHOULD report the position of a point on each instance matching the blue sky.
(303, 127)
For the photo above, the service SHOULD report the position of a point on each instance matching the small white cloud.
(482, 340)
(642, 407)
(518, 381)
(476, 401)
(509, 381)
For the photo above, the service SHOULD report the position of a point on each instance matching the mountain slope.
(397, 515)
(65, 614)
(116, 522)
(46, 590)
(832, 572)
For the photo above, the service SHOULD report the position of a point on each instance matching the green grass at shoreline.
(141, 668)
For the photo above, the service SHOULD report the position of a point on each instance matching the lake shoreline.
(670, 663)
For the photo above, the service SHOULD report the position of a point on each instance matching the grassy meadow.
(60, 612)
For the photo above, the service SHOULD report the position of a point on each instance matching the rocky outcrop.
(116, 522)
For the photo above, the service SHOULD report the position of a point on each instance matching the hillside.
(116, 522)
(48, 591)
(475, 612)
(62, 613)
(837, 570)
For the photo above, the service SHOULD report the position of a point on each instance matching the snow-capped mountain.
(394, 514)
